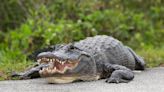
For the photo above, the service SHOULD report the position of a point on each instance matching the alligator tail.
(140, 63)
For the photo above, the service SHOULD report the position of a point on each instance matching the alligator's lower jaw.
(69, 79)
(61, 79)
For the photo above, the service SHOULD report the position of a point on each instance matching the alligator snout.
(45, 55)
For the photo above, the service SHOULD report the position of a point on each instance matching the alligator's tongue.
(62, 66)
(57, 66)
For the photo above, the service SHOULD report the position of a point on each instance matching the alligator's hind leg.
(140, 63)
(31, 73)
(118, 74)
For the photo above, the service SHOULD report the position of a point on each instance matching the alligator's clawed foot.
(31, 73)
(25, 75)
(116, 80)
(19, 76)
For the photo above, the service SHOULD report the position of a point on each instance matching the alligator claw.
(116, 80)
(112, 80)
(19, 76)
(14, 75)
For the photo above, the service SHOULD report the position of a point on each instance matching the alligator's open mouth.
(56, 65)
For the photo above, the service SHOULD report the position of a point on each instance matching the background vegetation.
(27, 25)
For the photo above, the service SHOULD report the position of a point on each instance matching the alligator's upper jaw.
(56, 66)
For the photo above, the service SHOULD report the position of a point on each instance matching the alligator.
(94, 58)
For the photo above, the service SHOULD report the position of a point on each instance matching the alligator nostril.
(45, 54)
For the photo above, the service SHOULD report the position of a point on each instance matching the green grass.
(152, 57)
(16, 61)
(12, 61)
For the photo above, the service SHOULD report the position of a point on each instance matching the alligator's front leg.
(118, 73)
(31, 73)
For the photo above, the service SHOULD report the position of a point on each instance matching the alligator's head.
(67, 64)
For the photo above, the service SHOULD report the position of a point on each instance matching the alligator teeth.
(43, 69)
(51, 71)
(57, 60)
(54, 68)
(51, 65)
(39, 60)
(47, 59)
(44, 59)
(47, 69)
(69, 61)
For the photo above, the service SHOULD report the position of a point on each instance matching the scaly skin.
(108, 58)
